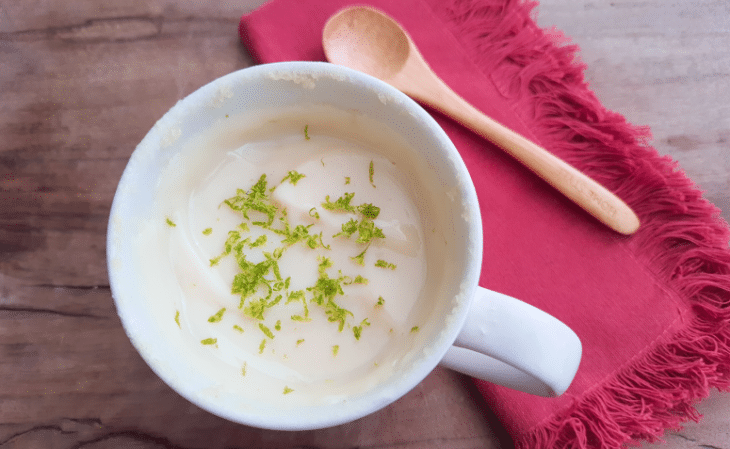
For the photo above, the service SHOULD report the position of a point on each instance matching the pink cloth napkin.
(650, 309)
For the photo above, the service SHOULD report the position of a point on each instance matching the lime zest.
(380, 302)
(367, 231)
(231, 242)
(287, 390)
(238, 328)
(177, 318)
(335, 313)
(335, 350)
(325, 288)
(218, 316)
(357, 330)
(207, 231)
(324, 263)
(243, 369)
(256, 308)
(365, 228)
(414, 329)
(360, 258)
(169, 222)
(306, 132)
(360, 280)
(299, 233)
(209, 341)
(261, 240)
(369, 211)
(266, 330)
(261, 286)
(383, 264)
(293, 176)
(299, 296)
(371, 173)
(348, 228)
(255, 200)
(341, 204)
(251, 279)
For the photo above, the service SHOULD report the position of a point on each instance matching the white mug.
(478, 332)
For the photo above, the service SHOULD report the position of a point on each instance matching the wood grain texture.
(82, 82)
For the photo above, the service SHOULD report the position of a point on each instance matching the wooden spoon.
(365, 39)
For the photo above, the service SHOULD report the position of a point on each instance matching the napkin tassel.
(682, 235)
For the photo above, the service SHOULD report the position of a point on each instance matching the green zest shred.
(369, 211)
(218, 316)
(383, 264)
(169, 222)
(209, 341)
(341, 204)
(348, 228)
(360, 280)
(266, 330)
(367, 231)
(256, 200)
(360, 258)
(293, 177)
(357, 330)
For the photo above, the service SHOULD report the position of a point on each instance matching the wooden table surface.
(82, 81)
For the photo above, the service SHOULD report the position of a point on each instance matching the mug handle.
(511, 343)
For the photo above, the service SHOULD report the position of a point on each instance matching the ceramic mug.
(469, 329)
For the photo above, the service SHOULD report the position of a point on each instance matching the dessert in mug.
(291, 254)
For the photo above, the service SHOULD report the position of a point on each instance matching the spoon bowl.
(367, 40)
(382, 54)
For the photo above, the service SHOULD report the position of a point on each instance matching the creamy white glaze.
(177, 258)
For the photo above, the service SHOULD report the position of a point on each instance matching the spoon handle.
(584, 191)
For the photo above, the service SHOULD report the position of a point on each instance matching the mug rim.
(447, 334)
